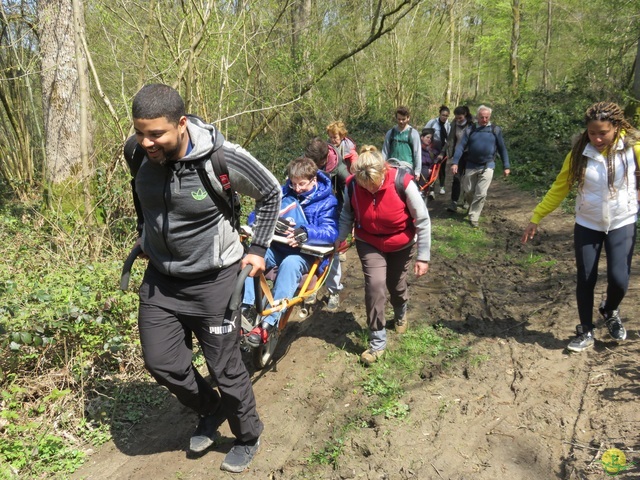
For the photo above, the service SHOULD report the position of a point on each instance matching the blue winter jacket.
(320, 207)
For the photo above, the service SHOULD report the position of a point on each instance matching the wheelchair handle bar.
(126, 268)
(236, 297)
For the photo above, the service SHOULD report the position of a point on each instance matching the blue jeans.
(291, 269)
(334, 276)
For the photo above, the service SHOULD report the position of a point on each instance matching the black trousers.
(618, 245)
(456, 184)
(166, 339)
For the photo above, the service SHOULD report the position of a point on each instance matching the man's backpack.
(473, 128)
(395, 133)
(229, 206)
(394, 138)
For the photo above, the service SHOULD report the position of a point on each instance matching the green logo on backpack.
(200, 194)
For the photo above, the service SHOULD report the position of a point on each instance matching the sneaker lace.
(582, 336)
(613, 323)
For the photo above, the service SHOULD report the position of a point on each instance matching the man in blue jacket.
(316, 225)
(483, 141)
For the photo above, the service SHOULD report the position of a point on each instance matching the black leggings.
(442, 175)
(456, 184)
(618, 245)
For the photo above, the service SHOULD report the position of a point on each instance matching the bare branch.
(378, 30)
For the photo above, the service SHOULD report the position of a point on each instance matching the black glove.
(300, 234)
(282, 225)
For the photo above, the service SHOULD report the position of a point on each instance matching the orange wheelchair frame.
(435, 172)
(265, 304)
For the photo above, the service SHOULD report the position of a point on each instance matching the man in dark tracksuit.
(194, 259)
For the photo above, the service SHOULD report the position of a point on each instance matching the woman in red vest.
(388, 217)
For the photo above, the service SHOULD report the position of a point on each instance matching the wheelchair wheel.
(262, 354)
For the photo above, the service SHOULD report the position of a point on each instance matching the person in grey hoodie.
(195, 256)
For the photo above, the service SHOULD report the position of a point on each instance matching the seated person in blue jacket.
(307, 190)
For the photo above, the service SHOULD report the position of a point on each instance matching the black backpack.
(474, 128)
(229, 206)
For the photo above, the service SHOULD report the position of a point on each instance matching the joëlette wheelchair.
(265, 304)
(425, 182)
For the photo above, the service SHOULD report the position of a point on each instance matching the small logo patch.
(227, 327)
(614, 462)
(199, 194)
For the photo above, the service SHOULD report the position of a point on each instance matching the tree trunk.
(60, 90)
(452, 44)
(515, 39)
(476, 91)
(636, 76)
(83, 88)
(300, 21)
(547, 48)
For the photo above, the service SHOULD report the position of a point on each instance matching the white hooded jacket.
(599, 208)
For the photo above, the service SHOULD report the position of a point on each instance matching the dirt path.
(518, 407)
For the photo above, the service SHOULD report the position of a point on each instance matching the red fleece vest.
(382, 219)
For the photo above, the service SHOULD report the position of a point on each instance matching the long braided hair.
(601, 111)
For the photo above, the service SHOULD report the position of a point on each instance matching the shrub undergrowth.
(65, 330)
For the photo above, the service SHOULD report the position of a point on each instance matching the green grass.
(419, 347)
(451, 238)
(536, 260)
(328, 455)
(384, 382)
(477, 360)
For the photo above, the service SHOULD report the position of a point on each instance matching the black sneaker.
(583, 340)
(206, 432)
(613, 323)
(240, 456)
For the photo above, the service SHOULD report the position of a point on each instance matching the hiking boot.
(334, 302)
(400, 319)
(583, 340)
(453, 207)
(260, 334)
(442, 191)
(613, 323)
(240, 456)
(371, 356)
(206, 432)
(474, 223)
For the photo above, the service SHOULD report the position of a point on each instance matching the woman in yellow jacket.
(603, 165)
